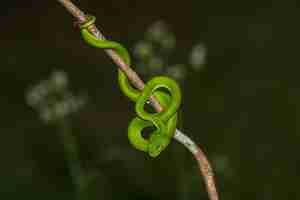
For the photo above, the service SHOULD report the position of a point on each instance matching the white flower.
(198, 56)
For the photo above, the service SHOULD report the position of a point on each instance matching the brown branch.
(204, 165)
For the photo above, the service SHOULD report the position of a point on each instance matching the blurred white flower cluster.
(153, 54)
(52, 98)
(198, 56)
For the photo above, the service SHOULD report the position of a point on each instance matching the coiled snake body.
(165, 121)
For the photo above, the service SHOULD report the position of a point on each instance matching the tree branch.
(203, 163)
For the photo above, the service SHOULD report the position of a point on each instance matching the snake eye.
(157, 143)
(155, 152)
(156, 148)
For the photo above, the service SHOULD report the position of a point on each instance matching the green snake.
(165, 121)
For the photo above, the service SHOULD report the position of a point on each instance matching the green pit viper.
(165, 121)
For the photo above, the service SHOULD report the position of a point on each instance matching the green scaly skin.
(165, 121)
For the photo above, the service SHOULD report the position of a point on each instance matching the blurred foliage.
(155, 54)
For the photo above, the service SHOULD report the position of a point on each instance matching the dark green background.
(244, 105)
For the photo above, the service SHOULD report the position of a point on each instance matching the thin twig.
(204, 165)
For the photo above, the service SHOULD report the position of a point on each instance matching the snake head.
(157, 143)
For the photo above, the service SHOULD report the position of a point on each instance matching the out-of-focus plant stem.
(72, 156)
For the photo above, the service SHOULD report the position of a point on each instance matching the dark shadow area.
(241, 107)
